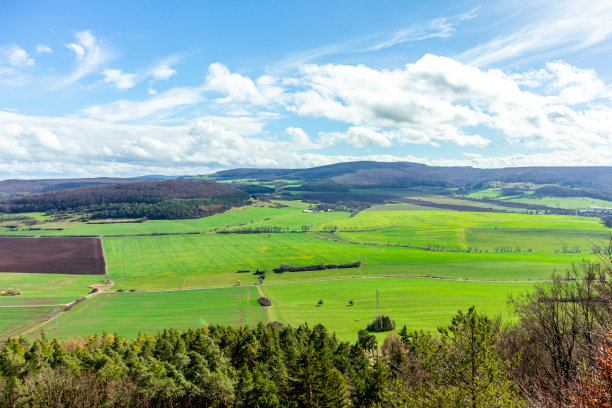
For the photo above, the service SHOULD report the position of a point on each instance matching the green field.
(572, 203)
(133, 313)
(407, 300)
(190, 261)
(189, 255)
(46, 289)
(287, 218)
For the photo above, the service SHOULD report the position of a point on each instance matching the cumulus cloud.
(237, 88)
(42, 147)
(438, 100)
(43, 49)
(162, 72)
(119, 79)
(15, 56)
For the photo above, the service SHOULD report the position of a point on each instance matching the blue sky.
(133, 88)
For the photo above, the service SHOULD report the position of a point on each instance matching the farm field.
(133, 313)
(45, 288)
(52, 255)
(250, 217)
(212, 260)
(205, 264)
(572, 203)
(18, 320)
(407, 300)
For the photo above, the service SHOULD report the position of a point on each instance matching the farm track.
(331, 280)
(248, 302)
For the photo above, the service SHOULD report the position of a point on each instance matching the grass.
(17, 320)
(572, 203)
(46, 289)
(189, 261)
(373, 219)
(131, 313)
(246, 217)
(407, 301)
(536, 238)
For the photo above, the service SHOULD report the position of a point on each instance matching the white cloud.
(238, 88)
(442, 27)
(563, 27)
(43, 147)
(123, 110)
(120, 80)
(43, 49)
(15, 56)
(89, 55)
(360, 136)
(162, 72)
(437, 100)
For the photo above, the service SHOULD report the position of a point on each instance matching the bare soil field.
(52, 255)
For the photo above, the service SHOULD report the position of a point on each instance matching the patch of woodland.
(169, 199)
(381, 324)
(318, 267)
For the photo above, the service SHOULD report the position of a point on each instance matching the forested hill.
(18, 188)
(167, 199)
(404, 174)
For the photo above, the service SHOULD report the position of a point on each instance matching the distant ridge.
(406, 174)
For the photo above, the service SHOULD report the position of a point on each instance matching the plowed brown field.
(52, 255)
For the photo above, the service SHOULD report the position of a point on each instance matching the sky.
(130, 88)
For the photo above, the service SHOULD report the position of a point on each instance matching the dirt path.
(248, 302)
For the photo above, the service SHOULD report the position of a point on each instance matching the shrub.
(276, 324)
(381, 324)
(264, 301)
(351, 303)
(12, 292)
(320, 302)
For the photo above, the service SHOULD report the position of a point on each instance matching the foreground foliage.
(261, 367)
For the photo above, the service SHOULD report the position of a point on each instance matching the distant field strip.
(373, 219)
(212, 260)
(291, 218)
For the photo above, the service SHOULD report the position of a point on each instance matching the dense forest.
(169, 199)
(556, 354)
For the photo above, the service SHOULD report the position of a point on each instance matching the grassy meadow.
(407, 300)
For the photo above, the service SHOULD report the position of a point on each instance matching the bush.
(320, 302)
(276, 324)
(264, 301)
(381, 324)
(12, 292)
